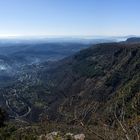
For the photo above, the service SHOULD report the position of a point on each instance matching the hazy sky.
(69, 17)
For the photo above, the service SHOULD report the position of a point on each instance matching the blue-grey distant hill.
(133, 40)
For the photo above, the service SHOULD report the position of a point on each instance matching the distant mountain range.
(133, 40)
(61, 39)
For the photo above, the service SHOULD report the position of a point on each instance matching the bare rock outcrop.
(57, 136)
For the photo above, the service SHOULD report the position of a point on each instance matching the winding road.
(16, 115)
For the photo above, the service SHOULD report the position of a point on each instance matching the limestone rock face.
(50, 136)
(79, 137)
(57, 136)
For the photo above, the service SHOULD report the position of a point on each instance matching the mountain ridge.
(87, 88)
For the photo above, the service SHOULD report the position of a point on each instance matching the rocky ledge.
(58, 136)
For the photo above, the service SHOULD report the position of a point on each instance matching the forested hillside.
(95, 92)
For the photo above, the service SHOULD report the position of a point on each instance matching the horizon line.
(63, 36)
